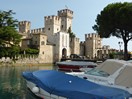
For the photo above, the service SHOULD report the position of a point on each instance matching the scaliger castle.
(53, 39)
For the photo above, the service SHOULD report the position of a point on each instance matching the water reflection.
(12, 84)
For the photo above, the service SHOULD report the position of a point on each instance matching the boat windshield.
(97, 72)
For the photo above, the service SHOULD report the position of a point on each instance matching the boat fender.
(35, 89)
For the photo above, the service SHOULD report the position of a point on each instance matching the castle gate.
(64, 53)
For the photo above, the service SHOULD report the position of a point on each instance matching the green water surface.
(12, 84)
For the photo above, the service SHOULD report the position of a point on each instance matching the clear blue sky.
(85, 12)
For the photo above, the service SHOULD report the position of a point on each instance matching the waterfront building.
(52, 40)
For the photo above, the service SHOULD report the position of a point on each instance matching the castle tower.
(92, 45)
(66, 19)
(24, 26)
(52, 25)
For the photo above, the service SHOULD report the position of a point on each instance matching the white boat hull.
(111, 79)
(75, 66)
(42, 93)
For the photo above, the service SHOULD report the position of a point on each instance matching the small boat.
(75, 66)
(51, 84)
(112, 72)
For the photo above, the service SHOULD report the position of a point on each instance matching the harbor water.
(12, 84)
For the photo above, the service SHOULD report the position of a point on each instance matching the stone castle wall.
(92, 45)
(82, 48)
(46, 54)
(27, 59)
(75, 45)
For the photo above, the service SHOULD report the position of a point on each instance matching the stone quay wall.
(21, 60)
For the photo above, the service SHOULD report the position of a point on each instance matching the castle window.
(35, 42)
(28, 42)
(43, 52)
(48, 28)
(62, 26)
(42, 43)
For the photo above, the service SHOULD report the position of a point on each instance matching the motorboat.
(112, 73)
(51, 84)
(75, 66)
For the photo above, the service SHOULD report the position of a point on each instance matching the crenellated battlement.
(65, 13)
(24, 22)
(52, 19)
(24, 26)
(106, 47)
(75, 39)
(82, 42)
(39, 30)
(92, 35)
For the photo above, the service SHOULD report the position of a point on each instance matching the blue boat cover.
(72, 87)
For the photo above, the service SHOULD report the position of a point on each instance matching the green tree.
(71, 34)
(13, 52)
(31, 51)
(9, 36)
(111, 55)
(115, 20)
